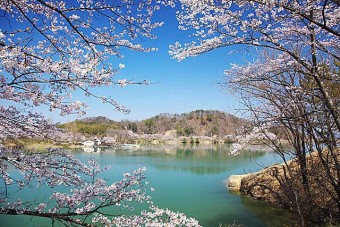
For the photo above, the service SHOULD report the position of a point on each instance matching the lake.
(187, 178)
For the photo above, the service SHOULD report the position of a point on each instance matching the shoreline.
(270, 185)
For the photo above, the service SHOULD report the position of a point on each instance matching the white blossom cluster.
(257, 133)
(276, 24)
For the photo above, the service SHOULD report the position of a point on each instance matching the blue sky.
(180, 86)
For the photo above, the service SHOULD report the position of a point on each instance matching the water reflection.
(94, 149)
(263, 211)
(198, 159)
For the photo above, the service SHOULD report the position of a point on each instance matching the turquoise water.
(189, 179)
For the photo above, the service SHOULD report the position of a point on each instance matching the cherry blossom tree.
(291, 84)
(48, 51)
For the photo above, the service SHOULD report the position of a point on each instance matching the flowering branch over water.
(91, 200)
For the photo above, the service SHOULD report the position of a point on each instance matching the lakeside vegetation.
(195, 127)
(199, 126)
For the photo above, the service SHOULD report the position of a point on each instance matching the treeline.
(199, 122)
(92, 128)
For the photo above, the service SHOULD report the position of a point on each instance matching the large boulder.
(263, 185)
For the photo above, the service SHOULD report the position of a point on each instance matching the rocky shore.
(262, 185)
(280, 184)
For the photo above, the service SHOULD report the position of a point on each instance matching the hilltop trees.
(48, 51)
(195, 123)
(292, 83)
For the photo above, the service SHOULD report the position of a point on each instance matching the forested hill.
(199, 122)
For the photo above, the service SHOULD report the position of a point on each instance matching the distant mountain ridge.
(197, 123)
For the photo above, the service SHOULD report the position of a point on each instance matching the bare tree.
(284, 98)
